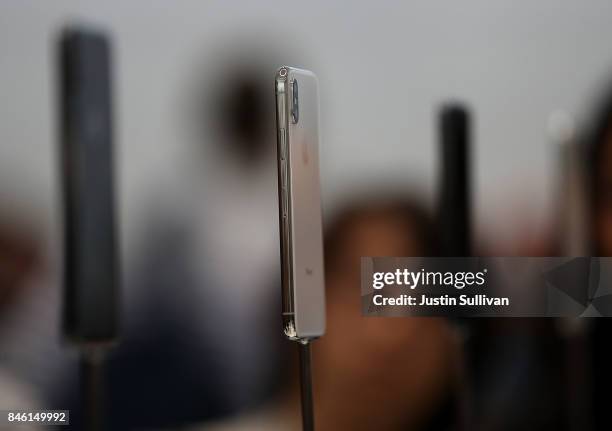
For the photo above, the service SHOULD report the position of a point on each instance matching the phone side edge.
(283, 174)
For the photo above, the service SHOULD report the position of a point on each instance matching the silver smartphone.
(297, 128)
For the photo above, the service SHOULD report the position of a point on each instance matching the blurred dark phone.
(91, 268)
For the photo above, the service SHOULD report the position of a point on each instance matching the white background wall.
(383, 66)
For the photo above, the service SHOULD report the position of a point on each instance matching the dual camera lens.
(295, 107)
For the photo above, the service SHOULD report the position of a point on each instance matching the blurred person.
(547, 361)
(370, 373)
(23, 384)
(15, 396)
(599, 148)
(600, 171)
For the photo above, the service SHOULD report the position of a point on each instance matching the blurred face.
(387, 372)
(603, 213)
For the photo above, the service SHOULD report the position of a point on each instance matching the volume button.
(283, 144)
(283, 174)
(284, 199)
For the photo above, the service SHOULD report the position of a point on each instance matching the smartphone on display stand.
(301, 232)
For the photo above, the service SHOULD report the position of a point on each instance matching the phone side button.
(283, 175)
(284, 199)
(283, 144)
